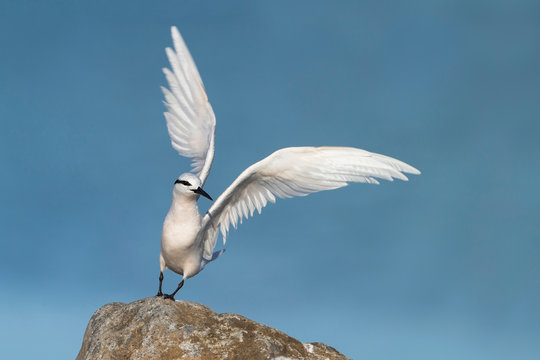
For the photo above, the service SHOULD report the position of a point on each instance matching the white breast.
(181, 252)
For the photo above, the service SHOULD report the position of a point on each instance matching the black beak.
(203, 193)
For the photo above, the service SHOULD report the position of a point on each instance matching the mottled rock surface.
(154, 328)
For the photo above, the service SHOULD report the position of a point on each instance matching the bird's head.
(189, 185)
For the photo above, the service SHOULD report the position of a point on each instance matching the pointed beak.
(203, 193)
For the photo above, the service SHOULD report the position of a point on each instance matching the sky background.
(445, 266)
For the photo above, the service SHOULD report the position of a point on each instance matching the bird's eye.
(183, 182)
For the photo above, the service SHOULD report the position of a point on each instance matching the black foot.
(159, 293)
(170, 297)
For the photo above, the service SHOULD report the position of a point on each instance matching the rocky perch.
(154, 328)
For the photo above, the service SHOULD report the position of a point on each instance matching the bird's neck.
(184, 206)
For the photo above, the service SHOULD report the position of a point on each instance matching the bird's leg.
(171, 297)
(159, 293)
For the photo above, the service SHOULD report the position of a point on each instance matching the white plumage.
(188, 240)
(190, 119)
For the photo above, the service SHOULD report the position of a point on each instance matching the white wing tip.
(170, 52)
(414, 171)
(406, 168)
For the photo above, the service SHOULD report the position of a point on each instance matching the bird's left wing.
(190, 119)
(296, 171)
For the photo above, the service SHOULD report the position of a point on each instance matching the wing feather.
(190, 119)
(289, 172)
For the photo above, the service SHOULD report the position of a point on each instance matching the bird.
(188, 238)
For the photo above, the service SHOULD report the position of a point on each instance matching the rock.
(154, 328)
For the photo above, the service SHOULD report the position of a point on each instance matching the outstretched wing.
(296, 171)
(190, 119)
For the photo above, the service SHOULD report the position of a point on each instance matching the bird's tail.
(215, 255)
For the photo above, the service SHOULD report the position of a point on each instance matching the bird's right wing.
(296, 171)
(190, 119)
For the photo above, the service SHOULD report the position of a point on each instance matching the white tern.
(188, 239)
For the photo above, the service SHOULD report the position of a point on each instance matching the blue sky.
(444, 266)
